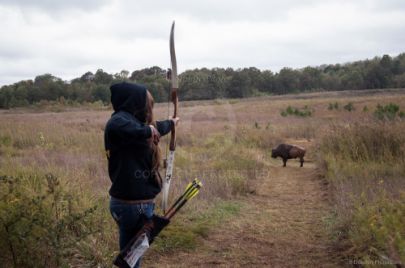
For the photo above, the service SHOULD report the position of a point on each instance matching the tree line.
(202, 84)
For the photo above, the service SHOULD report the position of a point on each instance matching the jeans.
(128, 216)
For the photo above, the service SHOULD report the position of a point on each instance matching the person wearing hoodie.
(131, 140)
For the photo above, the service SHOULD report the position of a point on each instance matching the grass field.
(54, 181)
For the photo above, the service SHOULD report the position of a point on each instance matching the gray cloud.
(55, 5)
(65, 39)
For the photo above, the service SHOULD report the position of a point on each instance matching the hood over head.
(130, 98)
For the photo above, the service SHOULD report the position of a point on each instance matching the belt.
(134, 201)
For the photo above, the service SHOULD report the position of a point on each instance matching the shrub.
(378, 227)
(388, 112)
(290, 110)
(349, 107)
(336, 106)
(304, 112)
(5, 140)
(42, 223)
(333, 106)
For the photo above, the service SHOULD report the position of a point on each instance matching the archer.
(131, 140)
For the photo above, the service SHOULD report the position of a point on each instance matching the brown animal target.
(288, 151)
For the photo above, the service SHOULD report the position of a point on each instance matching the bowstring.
(168, 114)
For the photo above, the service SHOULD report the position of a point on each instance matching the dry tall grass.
(365, 164)
(222, 143)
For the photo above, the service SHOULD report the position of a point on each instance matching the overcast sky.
(68, 38)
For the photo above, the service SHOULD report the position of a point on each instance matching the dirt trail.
(279, 226)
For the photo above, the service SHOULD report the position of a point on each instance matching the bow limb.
(175, 86)
(172, 147)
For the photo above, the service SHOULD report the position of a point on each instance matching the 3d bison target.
(287, 151)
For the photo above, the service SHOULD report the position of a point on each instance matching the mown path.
(282, 225)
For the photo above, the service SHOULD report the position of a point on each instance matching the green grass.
(349, 107)
(388, 112)
(333, 106)
(186, 231)
(300, 112)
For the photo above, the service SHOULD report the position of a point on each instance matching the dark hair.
(156, 156)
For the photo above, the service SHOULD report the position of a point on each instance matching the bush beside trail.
(364, 164)
(45, 224)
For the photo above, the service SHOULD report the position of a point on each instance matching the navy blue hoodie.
(126, 142)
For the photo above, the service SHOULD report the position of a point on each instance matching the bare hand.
(155, 135)
(175, 121)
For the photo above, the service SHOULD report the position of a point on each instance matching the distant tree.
(217, 83)
(310, 79)
(330, 81)
(101, 92)
(287, 81)
(399, 81)
(399, 64)
(5, 97)
(88, 76)
(352, 80)
(239, 85)
(204, 83)
(49, 87)
(375, 76)
(159, 91)
(102, 77)
(386, 62)
(197, 84)
(268, 82)
(124, 74)
(255, 78)
(21, 90)
(137, 75)
(140, 75)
